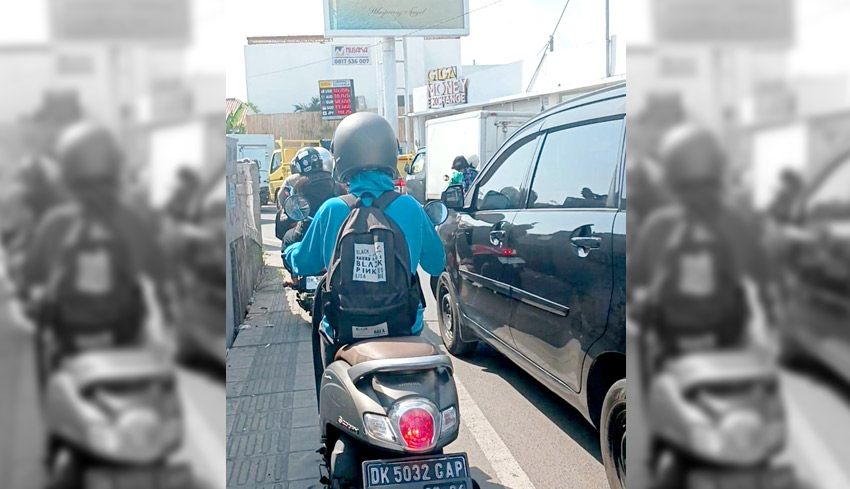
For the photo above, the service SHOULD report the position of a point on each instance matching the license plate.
(771, 478)
(311, 283)
(171, 477)
(438, 472)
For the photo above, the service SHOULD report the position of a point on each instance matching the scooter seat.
(385, 348)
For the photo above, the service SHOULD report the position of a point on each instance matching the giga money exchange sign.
(445, 88)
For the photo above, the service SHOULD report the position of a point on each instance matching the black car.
(815, 327)
(536, 260)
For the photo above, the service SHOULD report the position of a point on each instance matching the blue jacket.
(313, 253)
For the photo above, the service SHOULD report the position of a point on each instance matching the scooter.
(718, 421)
(113, 418)
(387, 409)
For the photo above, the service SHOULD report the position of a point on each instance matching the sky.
(501, 31)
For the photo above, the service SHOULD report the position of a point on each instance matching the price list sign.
(337, 98)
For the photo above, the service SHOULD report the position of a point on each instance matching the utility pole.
(390, 83)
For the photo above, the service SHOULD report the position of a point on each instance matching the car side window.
(499, 188)
(275, 163)
(831, 200)
(578, 167)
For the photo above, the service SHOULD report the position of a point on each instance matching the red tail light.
(417, 428)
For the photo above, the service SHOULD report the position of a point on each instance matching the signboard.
(724, 22)
(336, 98)
(382, 18)
(445, 88)
(352, 55)
(121, 21)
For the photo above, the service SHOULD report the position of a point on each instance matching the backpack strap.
(385, 200)
(350, 200)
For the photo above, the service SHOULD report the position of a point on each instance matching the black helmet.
(691, 154)
(306, 160)
(364, 141)
(86, 152)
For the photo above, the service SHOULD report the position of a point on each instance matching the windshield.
(275, 164)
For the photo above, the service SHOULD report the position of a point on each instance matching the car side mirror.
(408, 169)
(452, 197)
(296, 207)
(437, 212)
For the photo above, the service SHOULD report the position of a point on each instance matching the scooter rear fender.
(347, 393)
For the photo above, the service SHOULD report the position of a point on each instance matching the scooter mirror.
(437, 212)
(296, 207)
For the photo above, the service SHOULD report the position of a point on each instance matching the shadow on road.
(484, 480)
(564, 416)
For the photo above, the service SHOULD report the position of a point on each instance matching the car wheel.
(612, 434)
(450, 323)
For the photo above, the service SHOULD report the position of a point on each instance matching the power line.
(379, 43)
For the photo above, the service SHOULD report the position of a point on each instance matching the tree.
(313, 106)
(232, 121)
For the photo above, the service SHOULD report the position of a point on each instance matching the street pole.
(390, 84)
(607, 39)
(408, 123)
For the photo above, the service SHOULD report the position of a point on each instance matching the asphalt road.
(21, 424)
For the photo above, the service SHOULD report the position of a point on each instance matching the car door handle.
(586, 242)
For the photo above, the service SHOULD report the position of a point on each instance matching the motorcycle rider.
(84, 273)
(315, 181)
(695, 165)
(365, 152)
(699, 276)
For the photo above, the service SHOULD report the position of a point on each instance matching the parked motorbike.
(388, 407)
(113, 418)
(718, 421)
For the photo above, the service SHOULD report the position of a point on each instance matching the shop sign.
(352, 55)
(336, 98)
(445, 88)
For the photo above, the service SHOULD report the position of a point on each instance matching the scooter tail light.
(417, 422)
(417, 428)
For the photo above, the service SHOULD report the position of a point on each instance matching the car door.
(819, 309)
(486, 268)
(564, 239)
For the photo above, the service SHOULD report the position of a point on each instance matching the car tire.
(450, 322)
(612, 434)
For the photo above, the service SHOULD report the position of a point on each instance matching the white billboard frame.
(415, 32)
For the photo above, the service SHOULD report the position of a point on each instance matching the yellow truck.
(279, 162)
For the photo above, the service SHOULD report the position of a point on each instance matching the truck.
(257, 147)
(279, 162)
(476, 135)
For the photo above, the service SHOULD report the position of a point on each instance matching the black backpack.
(95, 286)
(698, 292)
(370, 289)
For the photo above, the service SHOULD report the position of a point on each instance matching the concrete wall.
(244, 238)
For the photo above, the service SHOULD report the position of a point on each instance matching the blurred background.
(769, 81)
(148, 71)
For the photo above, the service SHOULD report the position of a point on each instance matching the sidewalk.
(272, 421)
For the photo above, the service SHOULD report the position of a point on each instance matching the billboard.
(336, 98)
(727, 22)
(352, 55)
(156, 21)
(445, 88)
(381, 18)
